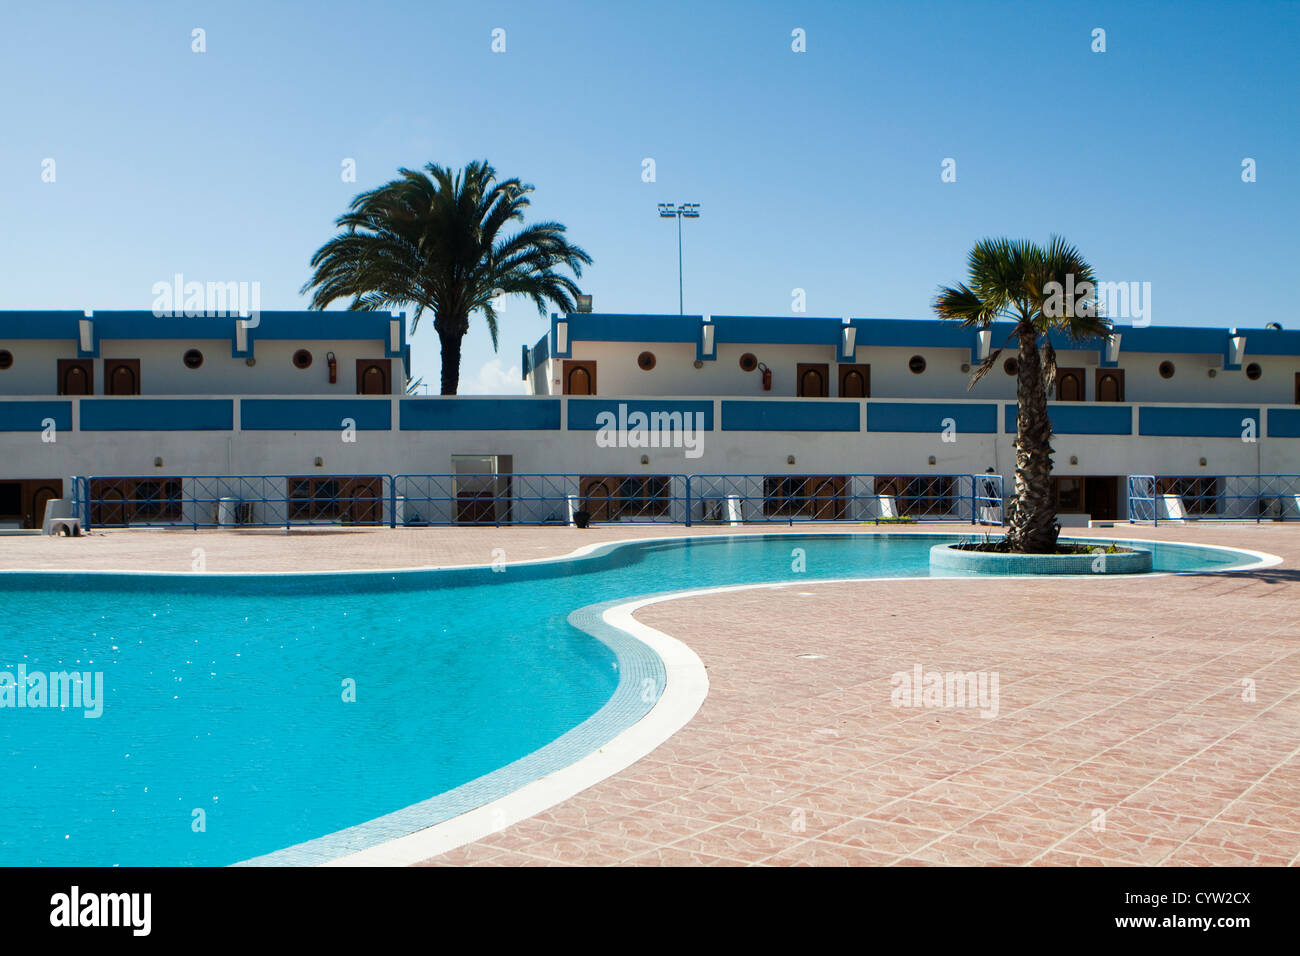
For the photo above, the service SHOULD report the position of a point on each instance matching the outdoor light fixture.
(933, 460)
(157, 462)
(320, 462)
(1074, 459)
(645, 459)
(686, 210)
(789, 459)
(1204, 463)
(965, 367)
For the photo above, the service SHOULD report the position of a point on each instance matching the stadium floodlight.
(686, 210)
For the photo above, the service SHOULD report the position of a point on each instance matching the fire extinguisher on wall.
(767, 376)
(334, 367)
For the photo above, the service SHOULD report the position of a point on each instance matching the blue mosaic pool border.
(636, 664)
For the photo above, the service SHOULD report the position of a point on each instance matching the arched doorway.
(1110, 385)
(579, 377)
(811, 380)
(855, 381)
(374, 376)
(1069, 385)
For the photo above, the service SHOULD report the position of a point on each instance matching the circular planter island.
(955, 558)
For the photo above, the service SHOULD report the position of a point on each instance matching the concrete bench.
(60, 519)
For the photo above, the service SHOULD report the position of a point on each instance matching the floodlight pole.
(681, 307)
(668, 210)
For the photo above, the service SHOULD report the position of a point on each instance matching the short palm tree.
(432, 240)
(1019, 281)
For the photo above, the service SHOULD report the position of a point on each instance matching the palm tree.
(1018, 281)
(432, 240)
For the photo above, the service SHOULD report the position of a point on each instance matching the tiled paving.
(1140, 720)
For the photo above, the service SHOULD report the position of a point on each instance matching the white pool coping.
(686, 686)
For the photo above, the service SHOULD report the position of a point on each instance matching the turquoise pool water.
(225, 694)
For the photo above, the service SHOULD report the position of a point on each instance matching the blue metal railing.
(1156, 498)
(875, 498)
(214, 501)
(218, 501)
(538, 499)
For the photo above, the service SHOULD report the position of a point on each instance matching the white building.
(303, 416)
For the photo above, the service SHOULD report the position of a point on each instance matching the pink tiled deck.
(1122, 736)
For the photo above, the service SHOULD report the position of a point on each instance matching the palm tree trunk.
(451, 341)
(1032, 514)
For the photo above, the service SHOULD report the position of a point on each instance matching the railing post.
(392, 502)
(688, 501)
(974, 509)
(85, 490)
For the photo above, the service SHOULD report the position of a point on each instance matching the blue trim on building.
(489, 414)
(303, 326)
(307, 415)
(1080, 418)
(903, 333)
(163, 415)
(1284, 423)
(799, 416)
(583, 411)
(930, 417)
(1195, 422)
(29, 416)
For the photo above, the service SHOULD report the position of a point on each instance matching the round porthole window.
(6, 359)
(192, 358)
(645, 361)
(748, 362)
(1166, 369)
(916, 364)
(302, 359)
(1253, 371)
(1011, 366)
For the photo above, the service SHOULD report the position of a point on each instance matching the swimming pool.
(227, 694)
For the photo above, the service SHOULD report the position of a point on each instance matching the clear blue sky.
(818, 170)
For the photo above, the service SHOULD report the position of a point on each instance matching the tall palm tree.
(432, 240)
(1019, 281)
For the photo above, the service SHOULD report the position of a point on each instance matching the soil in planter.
(1001, 547)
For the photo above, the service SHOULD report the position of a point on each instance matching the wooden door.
(76, 377)
(811, 379)
(121, 376)
(825, 498)
(597, 496)
(1069, 385)
(855, 381)
(1110, 385)
(579, 377)
(374, 376)
(36, 495)
(364, 503)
